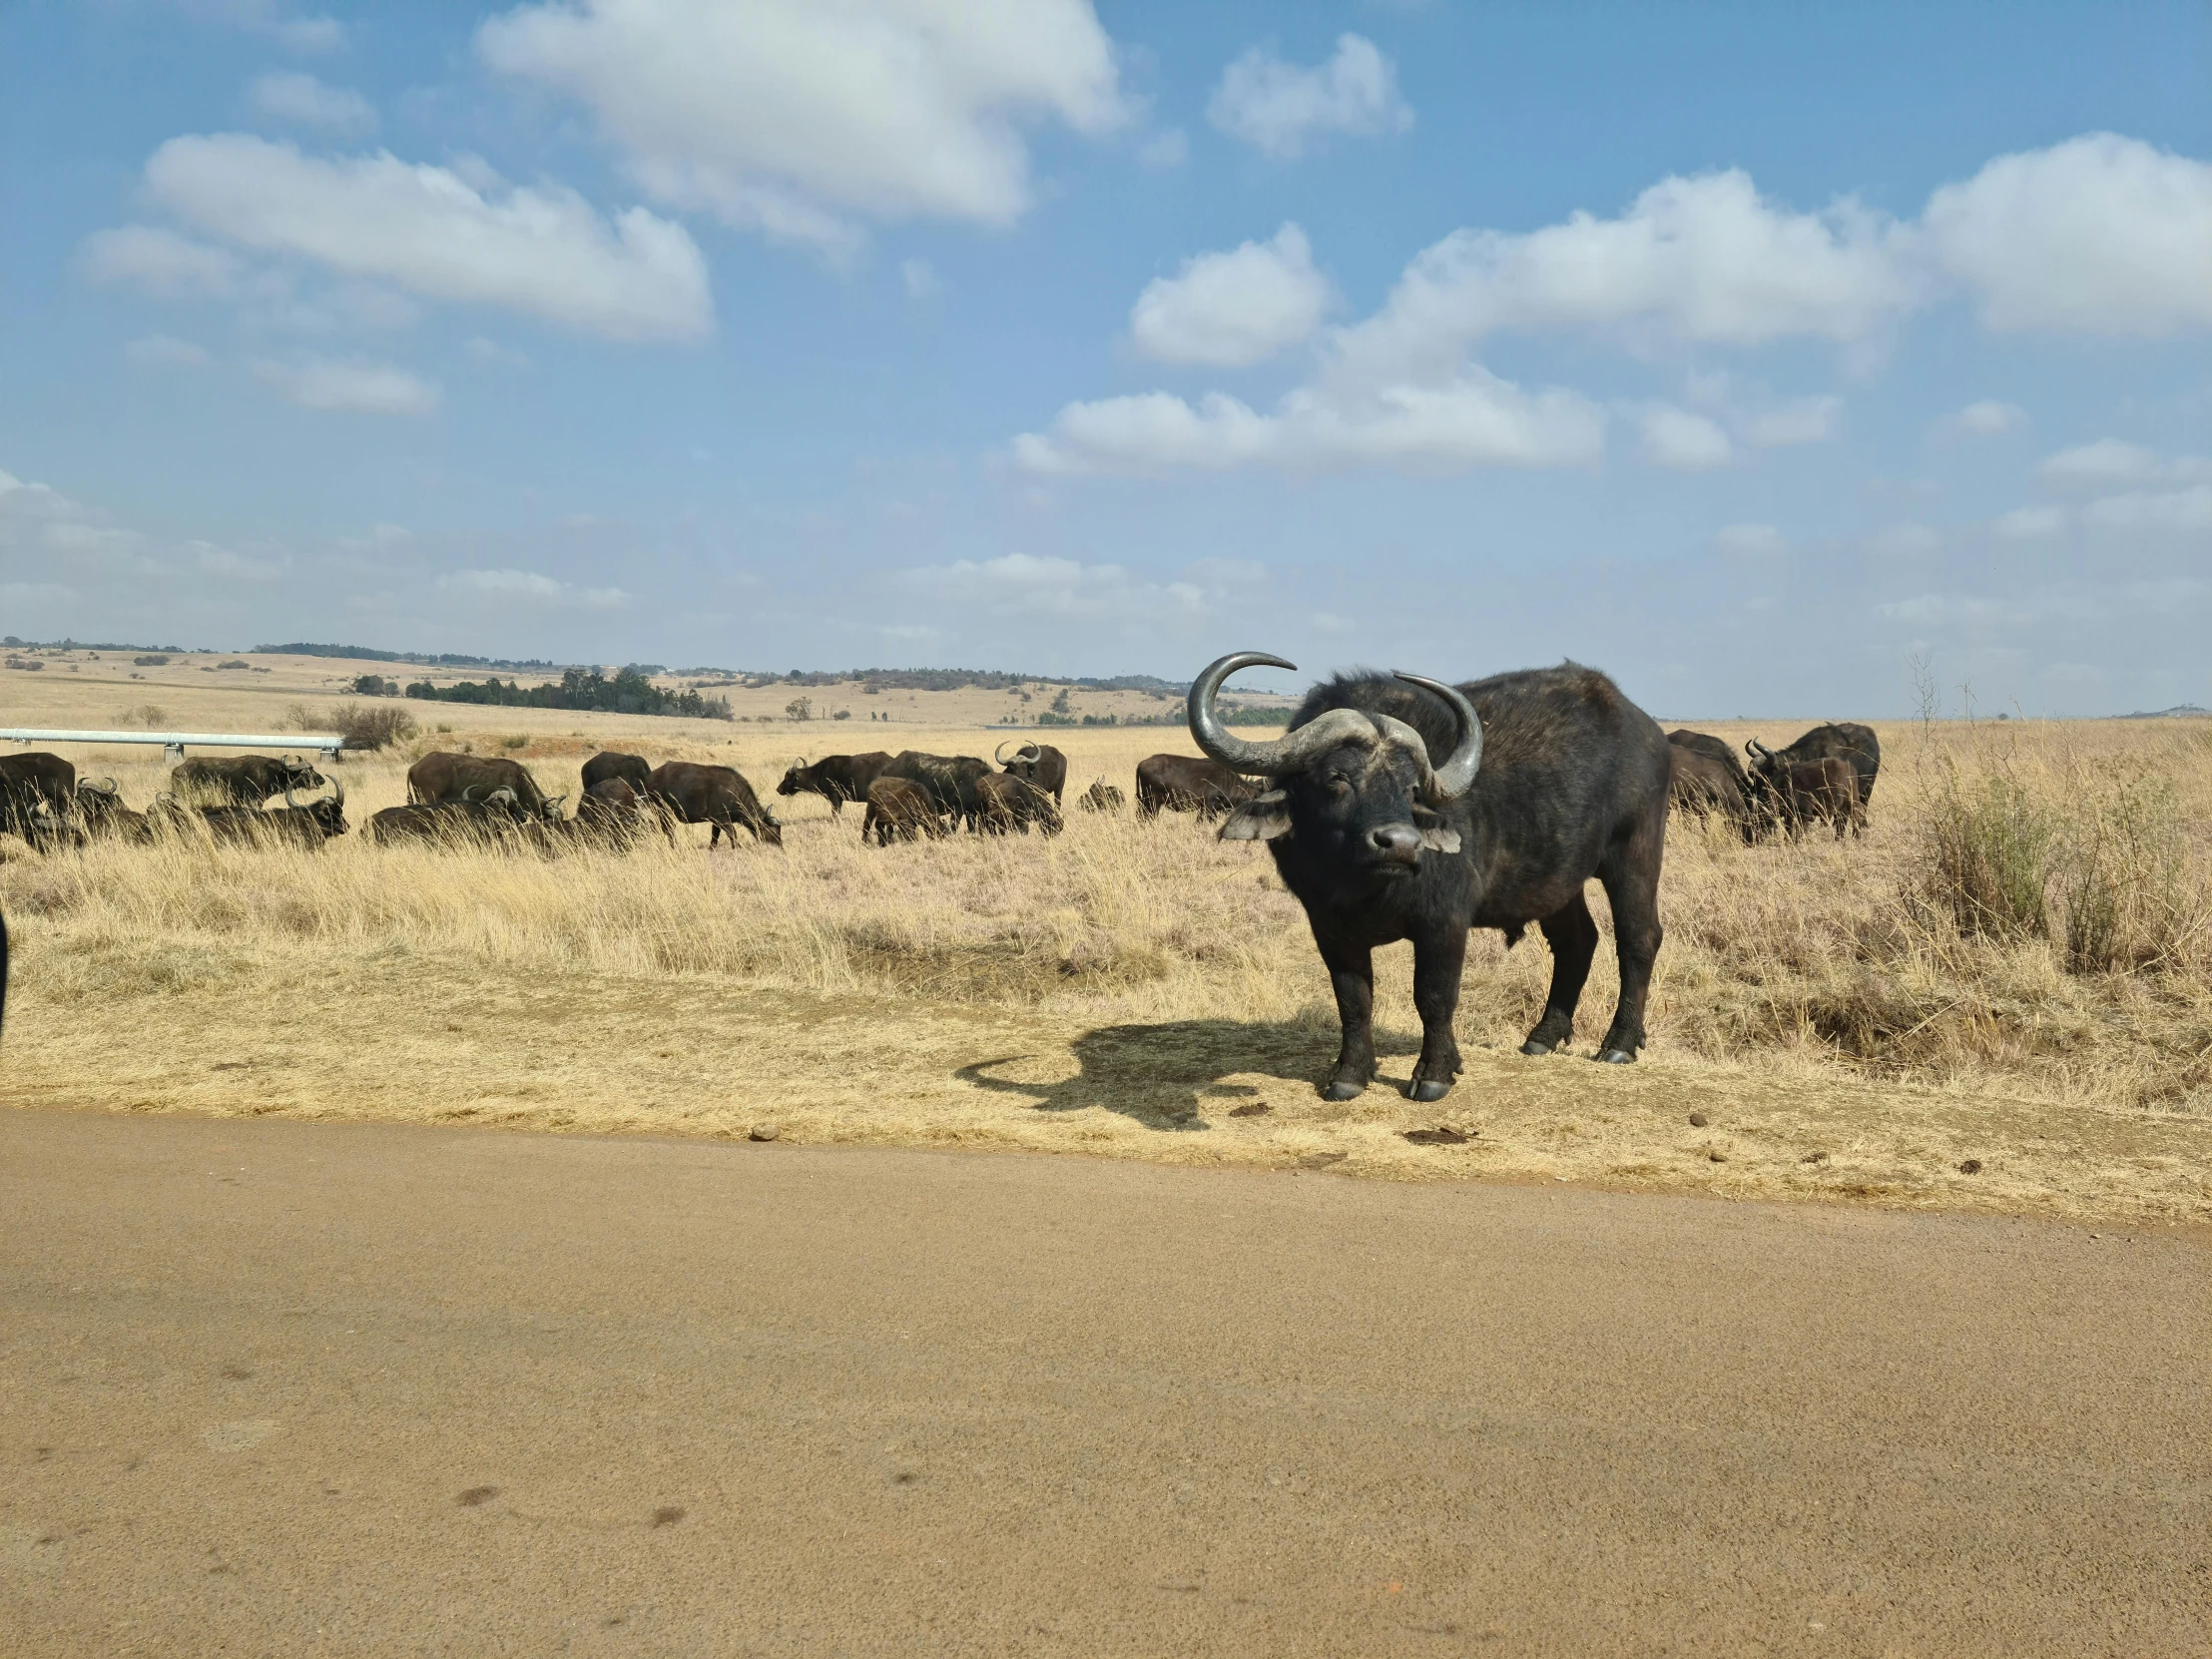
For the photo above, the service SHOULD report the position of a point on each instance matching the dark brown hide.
(1189, 783)
(719, 795)
(899, 809)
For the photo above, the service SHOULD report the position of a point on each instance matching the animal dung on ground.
(763, 1132)
(1439, 1136)
(1250, 1109)
(1973, 1166)
(1698, 1120)
(1717, 1156)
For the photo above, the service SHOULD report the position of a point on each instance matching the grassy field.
(2011, 972)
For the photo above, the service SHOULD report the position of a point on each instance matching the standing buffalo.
(1713, 749)
(1848, 741)
(1824, 791)
(719, 795)
(1038, 764)
(630, 768)
(37, 790)
(240, 779)
(1185, 784)
(835, 778)
(1702, 786)
(447, 777)
(951, 779)
(900, 809)
(1004, 801)
(1550, 776)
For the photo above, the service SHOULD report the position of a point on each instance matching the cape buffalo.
(1824, 791)
(1549, 776)
(1039, 764)
(1101, 796)
(291, 825)
(1187, 784)
(633, 770)
(949, 778)
(37, 792)
(494, 819)
(1713, 749)
(719, 795)
(1846, 741)
(447, 777)
(1004, 801)
(240, 779)
(900, 809)
(1702, 786)
(835, 778)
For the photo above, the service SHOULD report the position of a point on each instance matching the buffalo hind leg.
(1572, 936)
(1437, 960)
(1630, 875)
(1352, 974)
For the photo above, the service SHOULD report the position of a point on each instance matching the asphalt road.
(294, 1388)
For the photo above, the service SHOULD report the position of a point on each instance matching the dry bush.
(368, 726)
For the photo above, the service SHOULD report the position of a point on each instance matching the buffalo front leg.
(1631, 880)
(1352, 974)
(1437, 960)
(1572, 936)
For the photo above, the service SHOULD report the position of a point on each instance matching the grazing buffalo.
(1039, 764)
(633, 770)
(291, 825)
(1101, 796)
(900, 809)
(37, 792)
(1713, 749)
(1548, 778)
(1847, 740)
(240, 779)
(719, 795)
(1187, 784)
(1824, 791)
(951, 779)
(1005, 803)
(494, 819)
(835, 778)
(1702, 786)
(101, 811)
(448, 776)
(611, 815)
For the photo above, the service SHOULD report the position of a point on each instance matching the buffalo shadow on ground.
(1166, 1077)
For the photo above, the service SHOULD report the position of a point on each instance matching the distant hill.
(2179, 711)
(425, 659)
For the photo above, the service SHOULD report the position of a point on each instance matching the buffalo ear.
(1261, 819)
(1435, 835)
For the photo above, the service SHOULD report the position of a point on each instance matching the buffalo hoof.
(1618, 1057)
(1344, 1088)
(1428, 1088)
(1536, 1046)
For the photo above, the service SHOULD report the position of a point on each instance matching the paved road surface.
(290, 1388)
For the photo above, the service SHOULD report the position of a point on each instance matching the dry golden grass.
(1848, 1024)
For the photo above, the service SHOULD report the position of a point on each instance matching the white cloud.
(920, 278)
(1905, 540)
(1677, 438)
(1989, 418)
(1163, 151)
(491, 352)
(289, 95)
(308, 36)
(1234, 308)
(160, 263)
(2029, 524)
(786, 115)
(2100, 235)
(425, 230)
(1281, 108)
(1021, 584)
(356, 387)
(2115, 461)
(211, 560)
(2184, 509)
(1476, 419)
(1801, 420)
(166, 351)
(530, 586)
(1749, 540)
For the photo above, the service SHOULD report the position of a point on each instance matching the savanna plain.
(1998, 999)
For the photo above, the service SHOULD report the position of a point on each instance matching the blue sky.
(1749, 352)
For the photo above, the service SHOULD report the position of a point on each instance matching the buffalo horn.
(338, 791)
(1267, 760)
(1752, 746)
(290, 804)
(998, 754)
(1457, 776)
